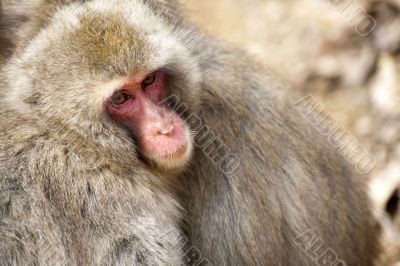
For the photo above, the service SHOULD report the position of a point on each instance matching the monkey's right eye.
(120, 98)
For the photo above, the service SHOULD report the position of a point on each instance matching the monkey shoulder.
(56, 182)
(25, 220)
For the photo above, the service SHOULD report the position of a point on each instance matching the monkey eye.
(149, 80)
(120, 98)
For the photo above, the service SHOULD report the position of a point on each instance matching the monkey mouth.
(174, 159)
(172, 145)
(173, 155)
(169, 151)
(181, 151)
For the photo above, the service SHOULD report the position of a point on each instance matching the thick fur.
(72, 189)
(79, 203)
(290, 179)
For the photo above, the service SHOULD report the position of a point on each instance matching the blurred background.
(345, 53)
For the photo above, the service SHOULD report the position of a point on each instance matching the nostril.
(164, 126)
(166, 130)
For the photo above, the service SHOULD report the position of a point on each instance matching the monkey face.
(109, 66)
(139, 103)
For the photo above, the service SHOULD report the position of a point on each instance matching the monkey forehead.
(118, 36)
(88, 44)
(107, 44)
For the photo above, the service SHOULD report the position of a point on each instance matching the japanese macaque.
(263, 186)
(79, 102)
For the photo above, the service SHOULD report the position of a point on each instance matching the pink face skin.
(162, 134)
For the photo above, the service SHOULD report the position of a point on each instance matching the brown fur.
(72, 189)
(290, 180)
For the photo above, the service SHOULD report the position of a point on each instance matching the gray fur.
(290, 180)
(72, 189)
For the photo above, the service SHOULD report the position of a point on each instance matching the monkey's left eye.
(120, 98)
(149, 80)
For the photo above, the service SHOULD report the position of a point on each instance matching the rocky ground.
(345, 53)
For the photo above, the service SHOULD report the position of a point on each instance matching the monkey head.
(108, 68)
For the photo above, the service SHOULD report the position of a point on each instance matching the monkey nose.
(166, 131)
(165, 126)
